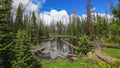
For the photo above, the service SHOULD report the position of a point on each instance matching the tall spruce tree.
(33, 27)
(116, 12)
(22, 55)
(6, 36)
(19, 17)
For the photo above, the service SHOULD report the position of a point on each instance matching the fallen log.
(69, 44)
(72, 57)
(115, 47)
(104, 57)
(100, 54)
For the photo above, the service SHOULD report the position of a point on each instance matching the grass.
(83, 62)
(115, 53)
(35, 46)
(109, 42)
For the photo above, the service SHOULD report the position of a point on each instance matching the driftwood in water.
(38, 52)
(69, 44)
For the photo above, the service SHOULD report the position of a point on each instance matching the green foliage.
(115, 29)
(83, 62)
(79, 27)
(84, 45)
(70, 29)
(99, 27)
(6, 34)
(115, 53)
(116, 12)
(115, 39)
(22, 54)
(33, 28)
(34, 46)
(116, 64)
(19, 17)
(60, 28)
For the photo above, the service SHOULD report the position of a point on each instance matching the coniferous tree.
(22, 55)
(116, 12)
(100, 26)
(79, 29)
(106, 23)
(33, 27)
(6, 34)
(19, 18)
(60, 28)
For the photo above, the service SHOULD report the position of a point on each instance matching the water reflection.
(56, 48)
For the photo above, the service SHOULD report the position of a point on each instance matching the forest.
(85, 42)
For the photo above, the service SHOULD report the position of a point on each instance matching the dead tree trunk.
(89, 18)
(103, 56)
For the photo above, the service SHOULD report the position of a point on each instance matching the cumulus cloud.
(54, 16)
(33, 5)
(47, 16)
(84, 16)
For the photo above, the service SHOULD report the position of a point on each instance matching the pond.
(55, 49)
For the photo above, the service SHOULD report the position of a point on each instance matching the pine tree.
(59, 28)
(6, 34)
(116, 12)
(22, 55)
(19, 17)
(33, 27)
(79, 29)
(100, 26)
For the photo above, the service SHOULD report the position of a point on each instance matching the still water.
(55, 49)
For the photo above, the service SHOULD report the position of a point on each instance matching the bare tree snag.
(89, 17)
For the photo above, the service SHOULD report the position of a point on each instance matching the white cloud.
(33, 5)
(54, 16)
(39, 2)
(50, 16)
(94, 8)
(83, 16)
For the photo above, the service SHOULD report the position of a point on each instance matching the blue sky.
(80, 5)
(59, 10)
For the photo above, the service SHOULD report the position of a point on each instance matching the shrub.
(84, 45)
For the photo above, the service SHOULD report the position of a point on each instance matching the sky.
(79, 5)
(59, 10)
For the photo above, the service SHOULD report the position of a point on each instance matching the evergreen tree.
(33, 27)
(22, 55)
(79, 29)
(60, 28)
(116, 12)
(100, 26)
(19, 18)
(6, 34)
(84, 45)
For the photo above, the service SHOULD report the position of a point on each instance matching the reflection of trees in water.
(56, 48)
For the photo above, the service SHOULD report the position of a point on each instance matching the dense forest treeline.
(17, 35)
